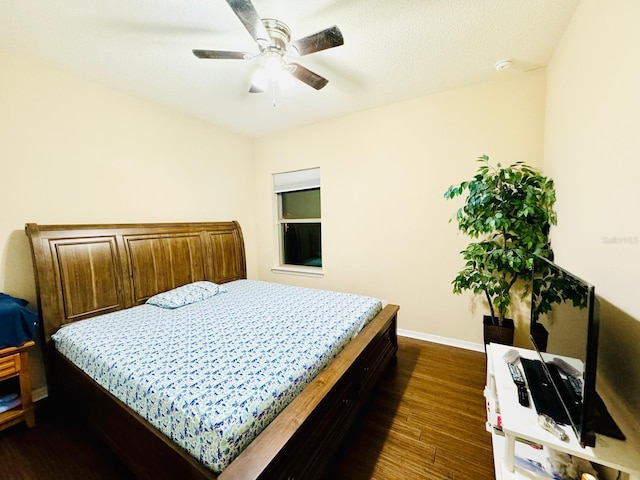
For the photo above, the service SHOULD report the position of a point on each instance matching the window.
(299, 219)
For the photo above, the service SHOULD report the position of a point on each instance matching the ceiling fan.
(274, 41)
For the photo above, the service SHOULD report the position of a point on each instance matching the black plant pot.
(540, 336)
(502, 334)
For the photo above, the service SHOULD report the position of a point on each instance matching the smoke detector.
(503, 64)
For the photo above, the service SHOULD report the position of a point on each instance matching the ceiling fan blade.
(222, 54)
(255, 89)
(328, 38)
(249, 17)
(307, 76)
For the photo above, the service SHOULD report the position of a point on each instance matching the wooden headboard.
(87, 270)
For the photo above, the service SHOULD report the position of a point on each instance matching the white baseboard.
(452, 342)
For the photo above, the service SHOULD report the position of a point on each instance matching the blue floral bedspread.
(212, 375)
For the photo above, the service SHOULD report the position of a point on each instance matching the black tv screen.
(564, 331)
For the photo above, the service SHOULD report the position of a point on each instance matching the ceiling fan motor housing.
(279, 33)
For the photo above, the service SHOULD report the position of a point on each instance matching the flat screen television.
(564, 331)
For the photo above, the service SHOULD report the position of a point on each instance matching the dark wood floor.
(426, 421)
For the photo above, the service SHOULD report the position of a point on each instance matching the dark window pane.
(301, 204)
(302, 244)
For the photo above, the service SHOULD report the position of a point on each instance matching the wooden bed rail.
(333, 399)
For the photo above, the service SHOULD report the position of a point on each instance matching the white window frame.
(291, 182)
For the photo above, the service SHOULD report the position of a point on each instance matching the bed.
(83, 271)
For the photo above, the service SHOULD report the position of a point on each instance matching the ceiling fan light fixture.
(273, 65)
(259, 81)
(274, 72)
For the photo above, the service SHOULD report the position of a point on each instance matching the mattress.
(212, 375)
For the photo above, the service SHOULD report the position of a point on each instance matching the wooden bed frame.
(86, 270)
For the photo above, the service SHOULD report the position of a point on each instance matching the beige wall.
(74, 152)
(592, 145)
(383, 175)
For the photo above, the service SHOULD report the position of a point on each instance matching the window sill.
(296, 270)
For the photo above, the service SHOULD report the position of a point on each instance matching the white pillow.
(186, 294)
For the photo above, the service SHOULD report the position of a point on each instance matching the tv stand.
(507, 421)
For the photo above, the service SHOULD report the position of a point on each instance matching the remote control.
(523, 396)
(518, 379)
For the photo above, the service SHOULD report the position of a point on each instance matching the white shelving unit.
(514, 427)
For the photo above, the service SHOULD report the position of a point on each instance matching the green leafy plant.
(510, 211)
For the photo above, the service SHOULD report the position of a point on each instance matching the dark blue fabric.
(17, 323)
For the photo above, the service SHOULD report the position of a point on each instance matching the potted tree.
(509, 210)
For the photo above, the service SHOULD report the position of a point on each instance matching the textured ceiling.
(394, 50)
